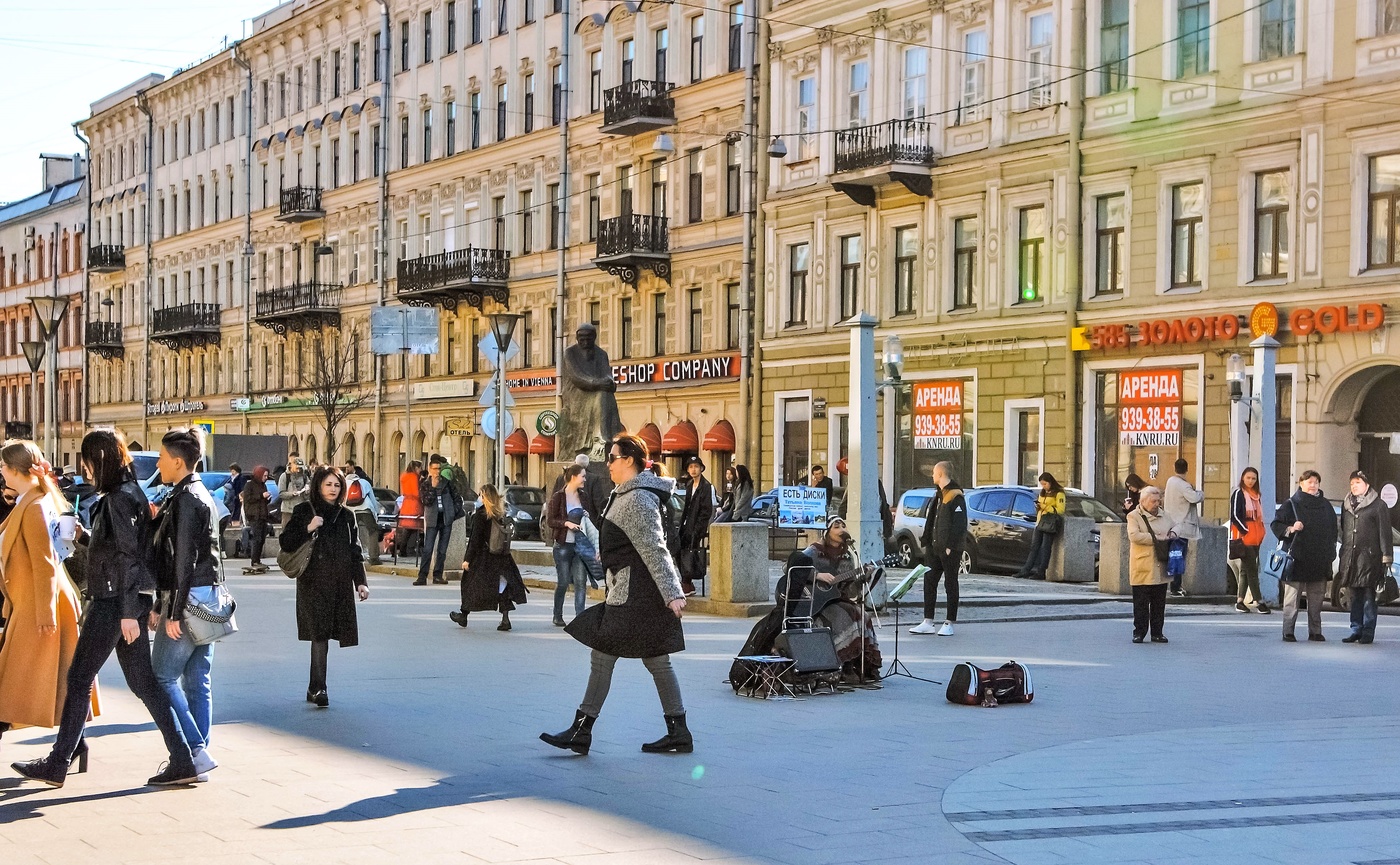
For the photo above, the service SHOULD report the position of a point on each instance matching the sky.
(59, 56)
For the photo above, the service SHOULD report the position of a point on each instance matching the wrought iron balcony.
(106, 259)
(638, 106)
(630, 244)
(186, 325)
(301, 204)
(104, 339)
(298, 307)
(472, 275)
(900, 151)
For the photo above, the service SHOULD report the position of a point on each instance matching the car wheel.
(1341, 598)
(965, 564)
(904, 549)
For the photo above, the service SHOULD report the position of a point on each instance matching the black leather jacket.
(186, 545)
(119, 550)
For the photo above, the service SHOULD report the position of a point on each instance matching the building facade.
(303, 178)
(43, 254)
(1080, 255)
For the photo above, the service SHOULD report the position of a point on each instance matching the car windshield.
(1083, 506)
(213, 480)
(528, 496)
(144, 465)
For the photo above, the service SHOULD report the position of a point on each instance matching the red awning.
(720, 438)
(517, 444)
(542, 444)
(681, 438)
(652, 436)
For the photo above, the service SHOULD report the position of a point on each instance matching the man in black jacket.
(945, 536)
(692, 550)
(441, 508)
(188, 568)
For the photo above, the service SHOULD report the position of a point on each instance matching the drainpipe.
(757, 126)
(87, 277)
(561, 290)
(382, 253)
(144, 105)
(1074, 270)
(241, 60)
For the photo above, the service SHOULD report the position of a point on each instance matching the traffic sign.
(488, 395)
(488, 423)
(487, 344)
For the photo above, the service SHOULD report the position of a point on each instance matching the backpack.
(502, 533)
(458, 479)
(970, 685)
(355, 495)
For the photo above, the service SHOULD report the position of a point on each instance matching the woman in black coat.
(1307, 528)
(335, 575)
(641, 617)
(490, 580)
(1366, 554)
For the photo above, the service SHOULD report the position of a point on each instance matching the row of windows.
(17, 403)
(1270, 230)
(35, 264)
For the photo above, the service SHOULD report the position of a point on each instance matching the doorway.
(1378, 426)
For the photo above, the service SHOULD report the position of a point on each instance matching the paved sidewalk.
(429, 754)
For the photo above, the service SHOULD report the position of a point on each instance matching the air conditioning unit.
(29, 237)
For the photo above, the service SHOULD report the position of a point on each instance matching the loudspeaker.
(811, 649)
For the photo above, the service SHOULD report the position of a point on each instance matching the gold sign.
(461, 426)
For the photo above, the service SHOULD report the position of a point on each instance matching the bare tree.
(335, 390)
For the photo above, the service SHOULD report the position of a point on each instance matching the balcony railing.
(298, 306)
(106, 259)
(104, 338)
(632, 243)
(300, 204)
(472, 274)
(894, 142)
(638, 106)
(186, 325)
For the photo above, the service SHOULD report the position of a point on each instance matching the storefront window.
(1147, 419)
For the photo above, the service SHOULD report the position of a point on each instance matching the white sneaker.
(924, 627)
(203, 762)
(946, 630)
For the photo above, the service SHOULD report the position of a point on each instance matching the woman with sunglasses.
(641, 617)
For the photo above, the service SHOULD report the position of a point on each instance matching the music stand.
(898, 667)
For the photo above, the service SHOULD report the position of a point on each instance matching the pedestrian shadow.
(97, 731)
(445, 793)
(21, 803)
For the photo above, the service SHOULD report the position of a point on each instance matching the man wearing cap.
(692, 538)
(1366, 555)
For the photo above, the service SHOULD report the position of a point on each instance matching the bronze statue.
(589, 419)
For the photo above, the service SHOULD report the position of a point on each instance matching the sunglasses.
(612, 457)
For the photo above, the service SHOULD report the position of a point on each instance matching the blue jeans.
(1363, 612)
(182, 670)
(437, 535)
(568, 568)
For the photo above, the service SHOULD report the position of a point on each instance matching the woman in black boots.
(335, 575)
(490, 577)
(641, 617)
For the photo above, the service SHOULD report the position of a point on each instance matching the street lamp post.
(863, 497)
(50, 311)
(502, 328)
(1262, 444)
(34, 355)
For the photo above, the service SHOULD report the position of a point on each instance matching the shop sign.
(1263, 320)
(687, 369)
(267, 400)
(460, 426)
(801, 507)
(1336, 319)
(443, 389)
(1149, 407)
(174, 407)
(526, 382)
(1177, 331)
(938, 410)
(547, 423)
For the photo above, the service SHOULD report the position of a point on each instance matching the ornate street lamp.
(502, 328)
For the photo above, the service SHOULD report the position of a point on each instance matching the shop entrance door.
(1379, 424)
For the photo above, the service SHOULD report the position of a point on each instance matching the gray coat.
(1366, 547)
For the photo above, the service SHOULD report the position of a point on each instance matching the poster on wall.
(938, 412)
(801, 507)
(1149, 408)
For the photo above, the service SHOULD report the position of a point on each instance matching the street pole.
(407, 385)
(863, 495)
(500, 415)
(1262, 443)
(1239, 414)
(51, 389)
(381, 252)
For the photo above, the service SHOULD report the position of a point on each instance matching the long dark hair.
(317, 478)
(1247, 470)
(108, 462)
(742, 476)
(1048, 478)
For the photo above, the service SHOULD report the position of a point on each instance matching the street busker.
(334, 576)
(945, 536)
(837, 598)
(121, 591)
(490, 578)
(1049, 520)
(1307, 527)
(641, 617)
(1246, 535)
(40, 604)
(1366, 555)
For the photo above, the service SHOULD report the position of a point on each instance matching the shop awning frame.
(681, 438)
(517, 444)
(542, 445)
(720, 438)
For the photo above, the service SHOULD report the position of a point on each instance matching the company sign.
(685, 370)
(938, 411)
(1149, 408)
(174, 407)
(1263, 319)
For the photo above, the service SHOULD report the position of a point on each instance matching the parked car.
(1000, 525)
(523, 507)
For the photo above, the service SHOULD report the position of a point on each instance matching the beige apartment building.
(1081, 255)
(258, 266)
(42, 255)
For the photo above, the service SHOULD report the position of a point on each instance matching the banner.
(1149, 408)
(801, 508)
(938, 411)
